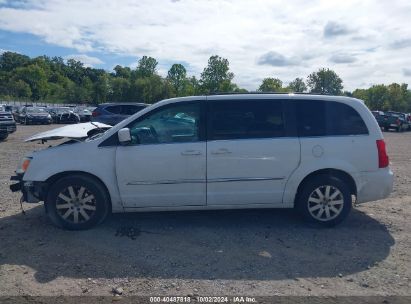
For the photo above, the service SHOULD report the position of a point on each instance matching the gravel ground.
(253, 252)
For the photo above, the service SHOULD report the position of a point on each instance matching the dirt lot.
(255, 252)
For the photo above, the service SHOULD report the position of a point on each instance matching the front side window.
(171, 124)
(241, 119)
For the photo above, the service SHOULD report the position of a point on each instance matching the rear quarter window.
(328, 118)
(131, 109)
(114, 109)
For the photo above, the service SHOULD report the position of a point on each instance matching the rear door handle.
(221, 151)
(191, 152)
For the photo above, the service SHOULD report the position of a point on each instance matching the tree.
(10, 61)
(124, 72)
(120, 88)
(177, 75)
(325, 81)
(271, 85)
(101, 89)
(297, 85)
(36, 78)
(216, 77)
(146, 67)
(20, 88)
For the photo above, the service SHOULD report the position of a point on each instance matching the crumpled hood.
(76, 131)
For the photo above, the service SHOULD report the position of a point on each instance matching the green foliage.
(325, 81)
(271, 85)
(297, 86)
(177, 76)
(393, 97)
(216, 77)
(146, 67)
(54, 80)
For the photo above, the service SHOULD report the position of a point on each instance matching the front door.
(249, 153)
(165, 164)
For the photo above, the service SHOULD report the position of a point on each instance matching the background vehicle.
(34, 115)
(113, 113)
(216, 152)
(396, 121)
(64, 115)
(380, 117)
(7, 123)
(84, 112)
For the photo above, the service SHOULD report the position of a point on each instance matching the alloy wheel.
(325, 203)
(76, 204)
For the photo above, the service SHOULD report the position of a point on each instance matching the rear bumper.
(372, 186)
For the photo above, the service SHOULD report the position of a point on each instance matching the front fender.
(83, 157)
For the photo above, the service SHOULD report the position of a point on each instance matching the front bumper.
(33, 192)
(8, 127)
(41, 120)
(374, 186)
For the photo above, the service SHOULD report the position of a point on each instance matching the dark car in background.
(84, 112)
(34, 115)
(380, 117)
(396, 120)
(7, 123)
(113, 113)
(63, 115)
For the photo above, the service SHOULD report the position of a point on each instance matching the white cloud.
(239, 30)
(88, 61)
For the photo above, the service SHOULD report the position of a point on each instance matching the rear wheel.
(77, 202)
(324, 200)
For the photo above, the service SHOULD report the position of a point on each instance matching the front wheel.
(3, 136)
(77, 202)
(325, 200)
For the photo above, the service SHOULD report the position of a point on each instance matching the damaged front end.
(35, 191)
(32, 191)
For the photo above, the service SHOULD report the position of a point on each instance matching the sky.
(366, 42)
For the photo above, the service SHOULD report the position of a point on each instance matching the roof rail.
(269, 93)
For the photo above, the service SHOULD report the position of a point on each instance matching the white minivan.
(312, 152)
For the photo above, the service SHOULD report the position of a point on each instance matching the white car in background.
(311, 152)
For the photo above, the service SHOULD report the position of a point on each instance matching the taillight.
(95, 113)
(383, 160)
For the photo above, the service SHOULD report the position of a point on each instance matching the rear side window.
(240, 119)
(131, 109)
(114, 109)
(327, 118)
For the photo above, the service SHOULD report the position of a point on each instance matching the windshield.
(35, 110)
(61, 110)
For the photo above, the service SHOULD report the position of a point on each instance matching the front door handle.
(221, 151)
(191, 152)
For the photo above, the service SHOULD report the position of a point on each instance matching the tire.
(65, 208)
(3, 136)
(330, 213)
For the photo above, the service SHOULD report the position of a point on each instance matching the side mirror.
(124, 136)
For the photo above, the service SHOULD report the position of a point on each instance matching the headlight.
(49, 116)
(25, 163)
(29, 116)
